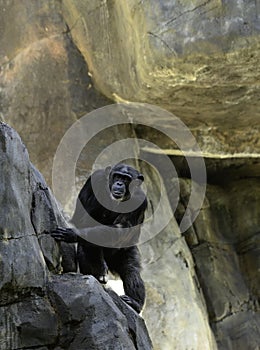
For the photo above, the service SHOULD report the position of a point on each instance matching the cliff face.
(197, 59)
(40, 309)
(224, 242)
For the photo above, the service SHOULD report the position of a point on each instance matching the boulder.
(39, 307)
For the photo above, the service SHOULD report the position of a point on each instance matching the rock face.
(39, 309)
(225, 247)
(197, 59)
(44, 81)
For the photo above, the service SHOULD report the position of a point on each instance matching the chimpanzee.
(109, 212)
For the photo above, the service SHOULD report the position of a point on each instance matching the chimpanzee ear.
(140, 177)
(138, 181)
(107, 170)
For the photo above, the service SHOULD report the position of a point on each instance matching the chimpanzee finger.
(58, 236)
(64, 234)
(58, 233)
(60, 229)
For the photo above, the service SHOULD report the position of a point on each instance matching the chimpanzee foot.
(102, 279)
(131, 302)
(100, 272)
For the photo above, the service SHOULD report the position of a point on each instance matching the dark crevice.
(10, 297)
(164, 42)
(188, 11)
(249, 304)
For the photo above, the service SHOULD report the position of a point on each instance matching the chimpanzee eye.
(116, 177)
(126, 178)
(123, 178)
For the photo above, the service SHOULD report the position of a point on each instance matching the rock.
(225, 254)
(135, 322)
(89, 317)
(39, 308)
(198, 59)
(22, 264)
(236, 332)
(29, 323)
(43, 77)
(175, 310)
(45, 215)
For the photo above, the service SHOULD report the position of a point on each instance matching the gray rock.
(46, 215)
(90, 319)
(198, 59)
(22, 265)
(239, 331)
(136, 323)
(39, 309)
(31, 322)
(226, 254)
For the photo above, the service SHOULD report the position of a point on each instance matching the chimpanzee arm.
(107, 236)
(124, 231)
(86, 201)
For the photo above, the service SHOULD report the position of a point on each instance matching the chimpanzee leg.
(134, 290)
(91, 261)
(126, 262)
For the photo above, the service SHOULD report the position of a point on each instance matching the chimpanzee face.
(120, 186)
(123, 180)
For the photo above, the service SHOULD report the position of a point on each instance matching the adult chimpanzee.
(109, 212)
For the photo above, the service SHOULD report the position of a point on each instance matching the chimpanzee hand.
(64, 234)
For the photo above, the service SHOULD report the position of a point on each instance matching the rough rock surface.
(198, 59)
(44, 81)
(39, 309)
(175, 307)
(224, 241)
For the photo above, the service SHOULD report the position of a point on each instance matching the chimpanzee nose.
(119, 184)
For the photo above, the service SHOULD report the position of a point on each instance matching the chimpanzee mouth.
(117, 195)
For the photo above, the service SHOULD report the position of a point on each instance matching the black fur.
(109, 211)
